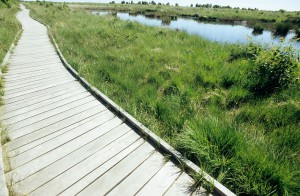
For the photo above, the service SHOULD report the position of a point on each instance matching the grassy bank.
(9, 25)
(199, 96)
(266, 19)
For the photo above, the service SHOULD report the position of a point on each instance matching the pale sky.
(290, 5)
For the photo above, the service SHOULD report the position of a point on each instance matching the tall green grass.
(282, 29)
(192, 92)
(9, 25)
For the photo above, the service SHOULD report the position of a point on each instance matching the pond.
(224, 33)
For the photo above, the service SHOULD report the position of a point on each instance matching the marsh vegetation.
(209, 13)
(233, 110)
(9, 25)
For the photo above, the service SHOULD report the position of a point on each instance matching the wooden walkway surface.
(64, 141)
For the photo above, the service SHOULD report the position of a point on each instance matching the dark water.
(224, 33)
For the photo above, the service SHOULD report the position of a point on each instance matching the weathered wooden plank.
(48, 121)
(14, 62)
(41, 54)
(19, 76)
(60, 179)
(37, 137)
(47, 112)
(25, 40)
(42, 92)
(35, 85)
(37, 99)
(19, 88)
(33, 63)
(31, 70)
(17, 50)
(31, 77)
(43, 161)
(46, 136)
(119, 171)
(92, 176)
(182, 186)
(28, 52)
(37, 151)
(160, 183)
(49, 104)
(36, 68)
(34, 81)
(138, 178)
(9, 96)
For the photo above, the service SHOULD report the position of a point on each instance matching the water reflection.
(224, 33)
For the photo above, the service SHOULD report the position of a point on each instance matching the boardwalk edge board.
(3, 187)
(160, 144)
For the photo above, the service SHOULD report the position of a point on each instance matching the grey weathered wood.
(58, 141)
(14, 62)
(36, 68)
(119, 171)
(138, 178)
(61, 179)
(20, 173)
(29, 77)
(43, 134)
(26, 52)
(46, 91)
(43, 108)
(19, 126)
(37, 72)
(49, 121)
(15, 85)
(18, 94)
(36, 100)
(42, 104)
(45, 137)
(99, 171)
(160, 183)
(12, 90)
(182, 186)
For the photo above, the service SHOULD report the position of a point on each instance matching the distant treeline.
(192, 5)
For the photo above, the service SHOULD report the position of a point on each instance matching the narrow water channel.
(224, 33)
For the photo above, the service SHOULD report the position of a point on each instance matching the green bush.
(282, 29)
(273, 69)
(258, 29)
(297, 33)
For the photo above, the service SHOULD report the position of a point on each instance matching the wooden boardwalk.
(64, 141)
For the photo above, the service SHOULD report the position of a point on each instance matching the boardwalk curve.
(65, 141)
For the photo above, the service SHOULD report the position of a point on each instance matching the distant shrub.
(297, 33)
(282, 11)
(258, 29)
(282, 29)
(273, 69)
